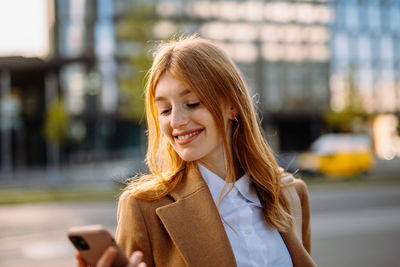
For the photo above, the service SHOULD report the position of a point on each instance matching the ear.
(232, 112)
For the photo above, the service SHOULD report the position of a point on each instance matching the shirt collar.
(246, 188)
(214, 182)
(243, 185)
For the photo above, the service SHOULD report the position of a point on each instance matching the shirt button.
(248, 231)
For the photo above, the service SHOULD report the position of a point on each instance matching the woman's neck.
(221, 169)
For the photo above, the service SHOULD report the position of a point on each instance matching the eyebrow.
(161, 98)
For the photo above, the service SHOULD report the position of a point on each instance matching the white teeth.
(181, 137)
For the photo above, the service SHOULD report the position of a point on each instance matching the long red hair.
(211, 74)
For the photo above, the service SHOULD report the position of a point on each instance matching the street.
(356, 226)
(353, 225)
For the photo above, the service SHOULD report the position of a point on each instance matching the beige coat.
(184, 228)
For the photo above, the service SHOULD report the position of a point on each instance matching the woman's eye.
(164, 112)
(193, 105)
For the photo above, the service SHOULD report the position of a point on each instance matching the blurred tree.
(56, 123)
(352, 114)
(135, 33)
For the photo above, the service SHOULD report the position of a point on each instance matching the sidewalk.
(387, 167)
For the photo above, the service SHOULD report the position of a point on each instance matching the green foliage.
(135, 30)
(12, 196)
(56, 123)
(137, 24)
(353, 112)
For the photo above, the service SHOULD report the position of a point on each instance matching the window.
(352, 16)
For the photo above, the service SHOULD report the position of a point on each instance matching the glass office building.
(301, 57)
(282, 49)
(365, 43)
(296, 56)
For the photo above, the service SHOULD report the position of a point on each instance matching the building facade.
(297, 57)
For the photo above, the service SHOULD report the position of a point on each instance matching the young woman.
(214, 195)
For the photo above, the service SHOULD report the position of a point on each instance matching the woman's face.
(187, 123)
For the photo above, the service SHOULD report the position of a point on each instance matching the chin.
(189, 156)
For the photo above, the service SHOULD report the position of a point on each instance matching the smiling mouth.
(187, 137)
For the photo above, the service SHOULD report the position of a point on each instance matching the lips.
(187, 137)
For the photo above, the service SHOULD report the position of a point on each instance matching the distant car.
(338, 155)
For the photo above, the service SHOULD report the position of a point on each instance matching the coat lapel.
(194, 224)
(195, 227)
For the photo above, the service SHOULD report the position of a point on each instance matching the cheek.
(164, 127)
(209, 121)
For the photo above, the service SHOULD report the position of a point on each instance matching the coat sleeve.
(132, 233)
(302, 192)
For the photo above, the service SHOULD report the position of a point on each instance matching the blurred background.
(324, 75)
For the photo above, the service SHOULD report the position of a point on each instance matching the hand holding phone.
(92, 242)
(108, 257)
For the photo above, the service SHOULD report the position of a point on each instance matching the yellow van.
(339, 155)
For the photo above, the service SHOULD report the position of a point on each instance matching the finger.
(135, 259)
(81, 262)
(108, 257)
(142, 264)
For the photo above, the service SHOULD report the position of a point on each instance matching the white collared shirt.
(253, 241)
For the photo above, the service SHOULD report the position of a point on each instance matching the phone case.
(91, 241)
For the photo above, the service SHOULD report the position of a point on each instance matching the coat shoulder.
(147, 206)
(139, 227)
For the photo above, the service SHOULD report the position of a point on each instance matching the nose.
(179, 117)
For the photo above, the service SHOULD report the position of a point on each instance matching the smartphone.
(91, 241)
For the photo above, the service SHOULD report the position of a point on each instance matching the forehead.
(168, 86)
